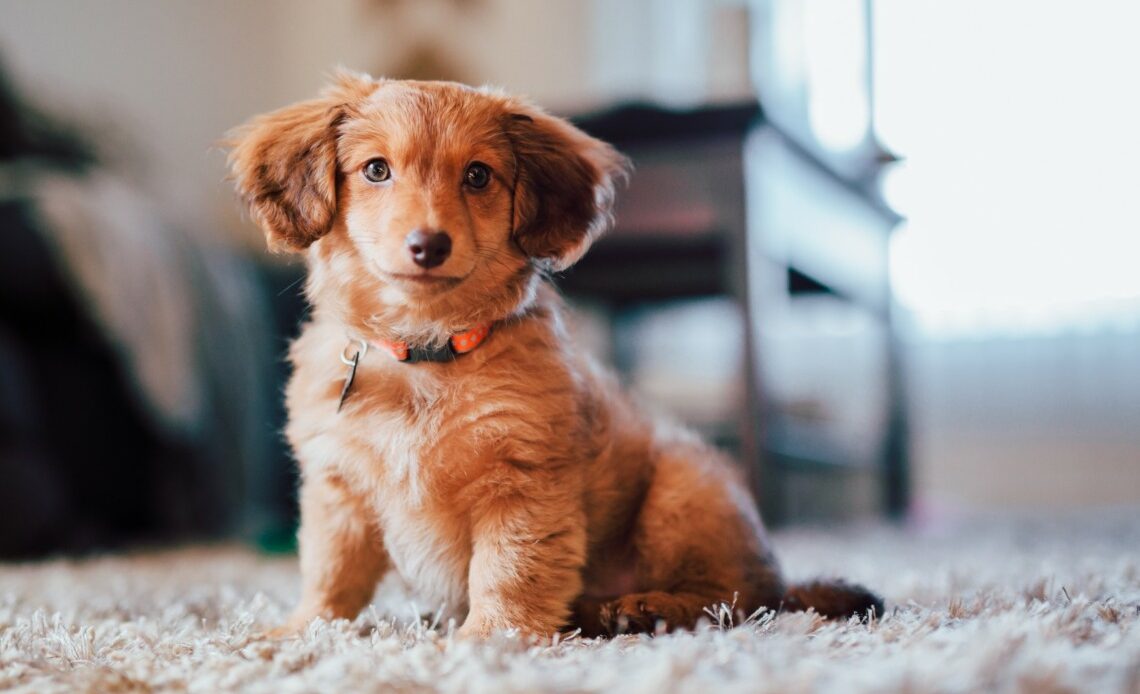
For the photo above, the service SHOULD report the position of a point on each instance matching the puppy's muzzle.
(429, 248)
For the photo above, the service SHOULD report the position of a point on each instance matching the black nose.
(428, 248)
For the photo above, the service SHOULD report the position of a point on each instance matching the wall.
(1031, 422)
(163, 81)
(159, 82)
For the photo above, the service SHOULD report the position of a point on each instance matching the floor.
(997, 604)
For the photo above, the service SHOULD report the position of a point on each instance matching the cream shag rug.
(1013, 605)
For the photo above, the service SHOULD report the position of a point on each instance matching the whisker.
(292, 284)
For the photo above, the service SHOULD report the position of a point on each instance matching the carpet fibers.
(1001, 605)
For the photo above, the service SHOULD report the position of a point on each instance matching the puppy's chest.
(416, 429)
(429, 545)
(418, 448)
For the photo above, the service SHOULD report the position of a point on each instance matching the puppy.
(445, 425)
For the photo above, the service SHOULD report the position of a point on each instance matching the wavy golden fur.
(515, 484)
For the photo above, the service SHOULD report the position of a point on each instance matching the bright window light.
(835, 47)
(1021, 183)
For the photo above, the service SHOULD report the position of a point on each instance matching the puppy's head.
(423, 201)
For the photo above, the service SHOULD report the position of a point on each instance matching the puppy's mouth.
(422, 279)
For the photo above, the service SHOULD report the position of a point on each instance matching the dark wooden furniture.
(722, 204)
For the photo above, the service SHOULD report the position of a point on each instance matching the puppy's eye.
(478, 175)
(377, 171)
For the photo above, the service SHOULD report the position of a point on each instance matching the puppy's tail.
(834, 599)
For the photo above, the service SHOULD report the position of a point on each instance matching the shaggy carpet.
(999, 605)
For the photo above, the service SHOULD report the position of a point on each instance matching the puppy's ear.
(284, 163)
(564, 193)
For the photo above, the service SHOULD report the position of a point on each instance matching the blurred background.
(885, 251)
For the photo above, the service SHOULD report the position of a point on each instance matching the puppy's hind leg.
(647, 612)
(698, 542)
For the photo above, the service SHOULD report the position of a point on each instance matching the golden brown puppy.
(511, 482)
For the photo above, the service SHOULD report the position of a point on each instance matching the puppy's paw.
(473, 631)
(476, 629)
(289, 630)
(632, 614)
(480, 627)
(280, 633)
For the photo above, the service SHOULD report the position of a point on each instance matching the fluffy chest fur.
(420, 445)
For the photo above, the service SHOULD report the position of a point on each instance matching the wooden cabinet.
(789, 261)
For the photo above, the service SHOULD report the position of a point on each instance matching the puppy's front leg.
(526, 565)
(342, 554)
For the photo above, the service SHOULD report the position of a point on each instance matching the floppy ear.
(564, 192)
(284, 164)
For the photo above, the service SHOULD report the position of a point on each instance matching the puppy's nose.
(428, 248)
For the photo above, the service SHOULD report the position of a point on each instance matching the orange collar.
(459, 343)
